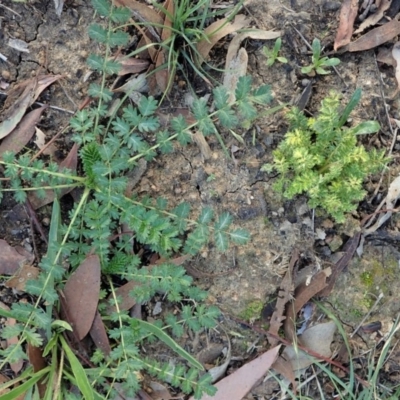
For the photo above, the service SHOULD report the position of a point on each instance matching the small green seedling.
(273, 54)
(318, 62)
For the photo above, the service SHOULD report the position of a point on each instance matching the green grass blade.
(170, 343)
(21, 389)
(51, 253)
(350, 107)
(78, 371)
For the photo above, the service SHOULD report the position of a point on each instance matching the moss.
(367, 279)
(253, 311)
(379, 275)
(356, 313)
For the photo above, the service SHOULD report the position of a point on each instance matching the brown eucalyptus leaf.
(236, 385)
(376, 37)
(162, 72)
(284, 367)
(35, 355)
(23, 132)
(166, 31)
(81, 295)
(126, 302)
(348, 14)
(159, 391)
(99, 335)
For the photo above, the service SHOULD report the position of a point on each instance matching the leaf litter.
(11, 259)
(20, 98)
(81, 296)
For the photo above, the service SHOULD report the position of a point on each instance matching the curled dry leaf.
(130, 65)
(41, 143)
(257, 34)
(219, 371)
(390, 201)
(23, 132)
(376, 37)
(201, 142)
(396, 56)
(284, 296)
(13, 115)
(159, 391)
(348, 14)
(349, 249)
(26, 273)
(304, 293)
(216, 31)
(318, 339)
(237, 67)
(10, 259)
(236, 58)
(81, 296)
(20, 98)
(375, 17)
(385, 56)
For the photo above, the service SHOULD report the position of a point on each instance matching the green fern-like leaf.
(90, 154)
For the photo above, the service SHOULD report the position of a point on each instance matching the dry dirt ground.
(248, 275)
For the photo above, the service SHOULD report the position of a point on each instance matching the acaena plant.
(110, 146)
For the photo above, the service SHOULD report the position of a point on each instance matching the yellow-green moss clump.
(253, 311)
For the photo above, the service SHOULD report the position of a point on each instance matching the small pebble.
(46, 221)
(331, 5)
(5, 75)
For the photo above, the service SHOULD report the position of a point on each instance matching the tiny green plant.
(320, 157)
(110, 146)
(273, 54)
(319, 63)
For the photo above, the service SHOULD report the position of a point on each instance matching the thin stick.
(367, 315)
(9, 9)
